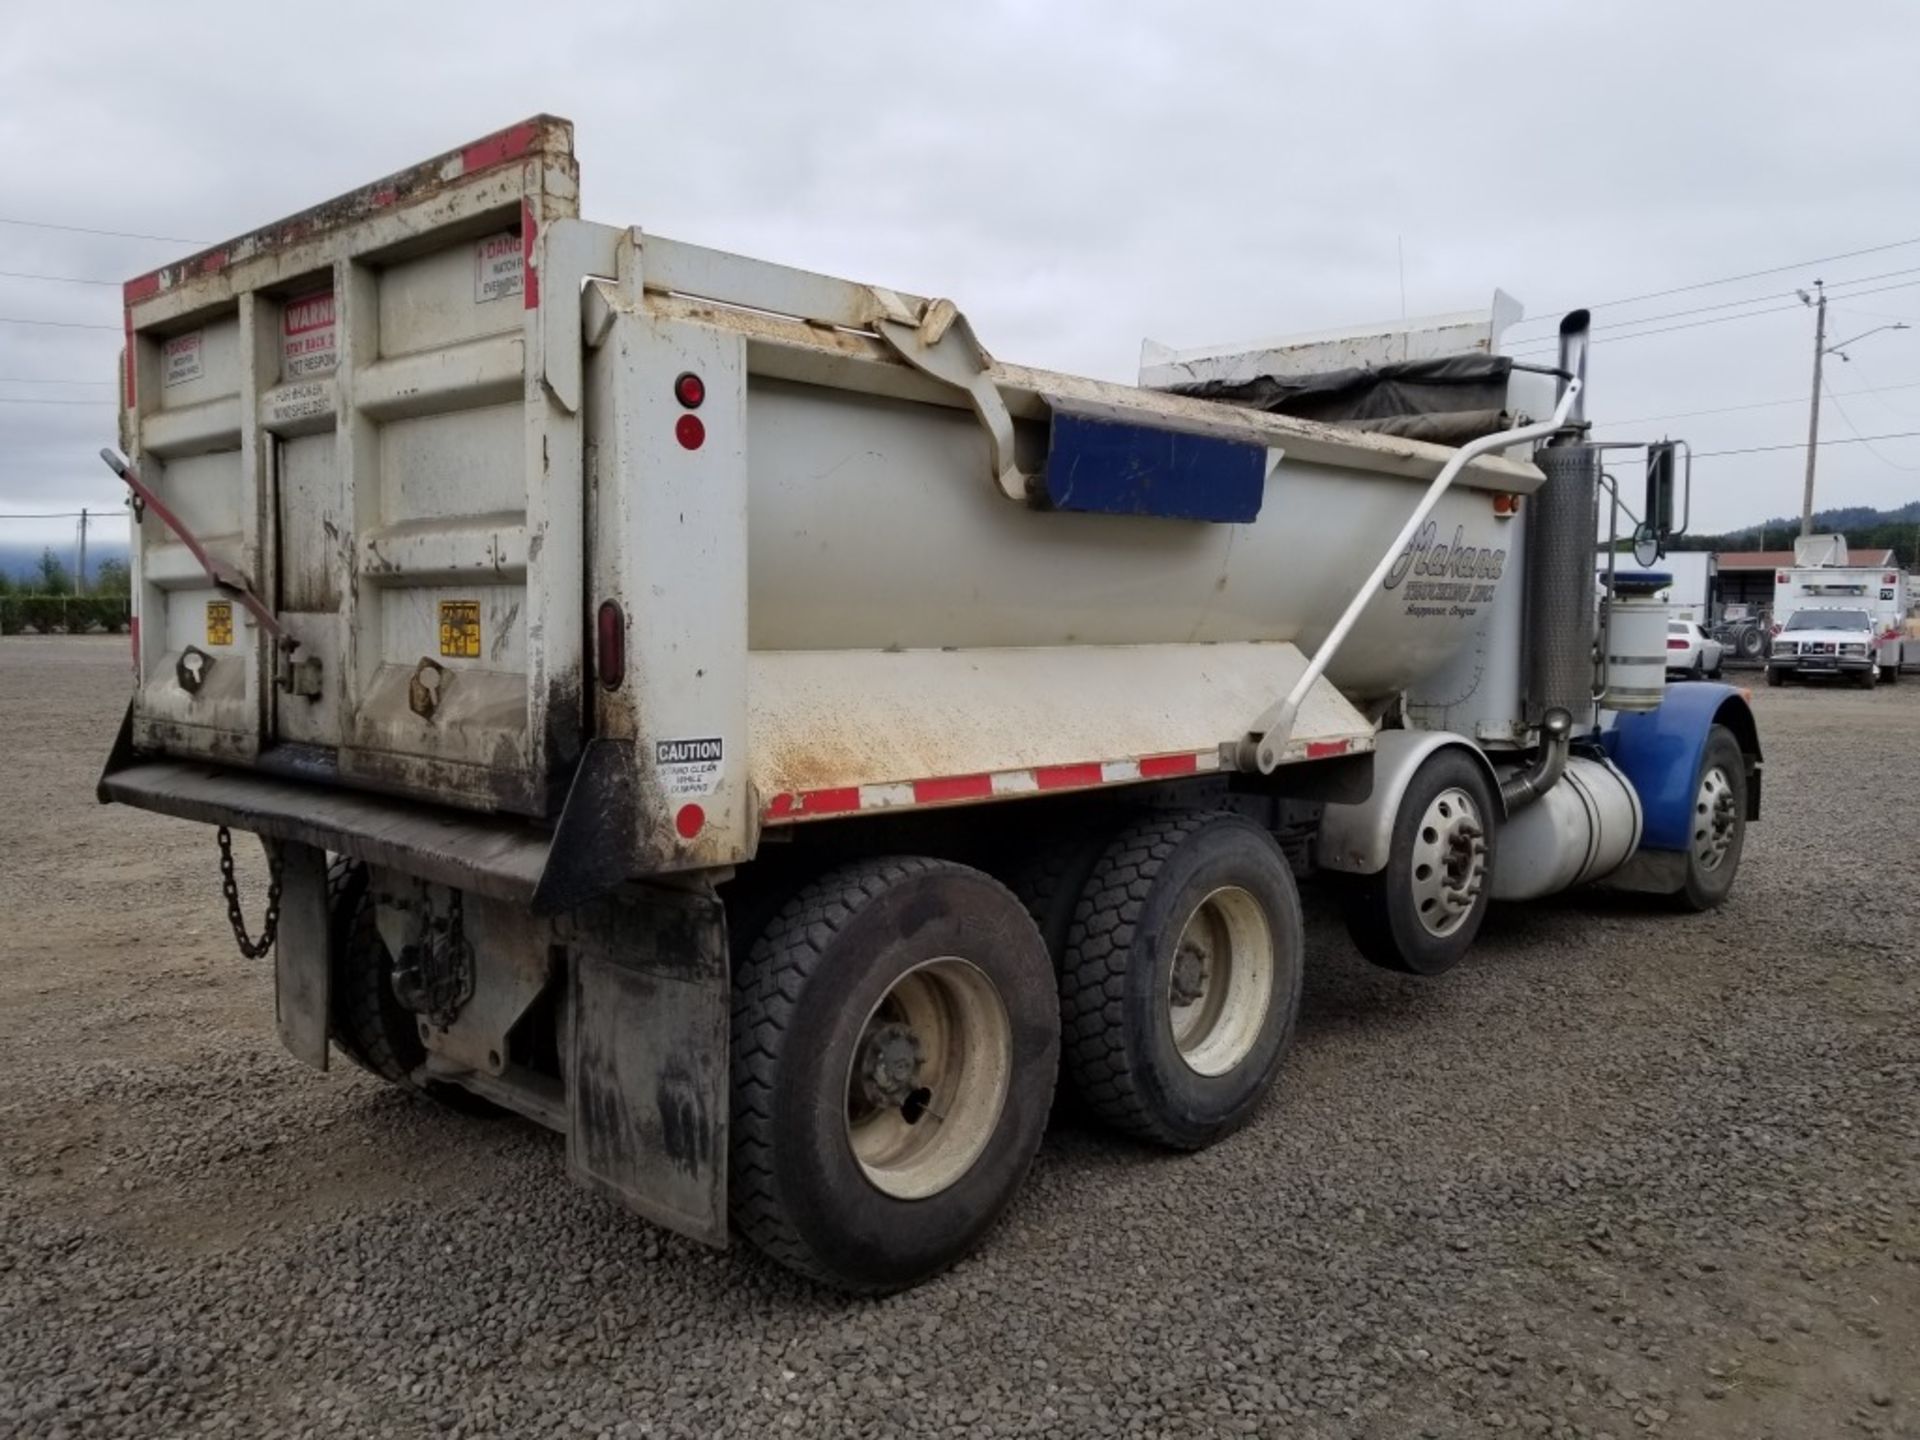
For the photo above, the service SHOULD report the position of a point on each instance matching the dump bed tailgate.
(349, 408)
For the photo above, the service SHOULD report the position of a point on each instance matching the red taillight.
(690, 432)
(1676, 644)
(1506, 506)
(690, 390)
(1780, 579)
(610, 654)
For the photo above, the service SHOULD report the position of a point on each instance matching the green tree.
(53, 577)
(112, 578)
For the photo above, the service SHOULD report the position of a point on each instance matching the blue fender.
(1659, 752)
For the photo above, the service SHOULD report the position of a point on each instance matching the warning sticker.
(181, 359)
(460, 629)
(496, 268)
(307, 343)
(219, 622)
(689, 767)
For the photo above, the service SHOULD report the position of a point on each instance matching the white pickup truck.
(1827, 643)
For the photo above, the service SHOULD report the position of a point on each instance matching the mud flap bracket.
(647, 1069)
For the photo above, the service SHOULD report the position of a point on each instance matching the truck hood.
(1849, 637)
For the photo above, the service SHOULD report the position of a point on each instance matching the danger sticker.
(496, 268)
(307, 342)
(183, 358)
(460, 629)
(689, 767)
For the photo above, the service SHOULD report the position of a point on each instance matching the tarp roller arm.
(1267, 737)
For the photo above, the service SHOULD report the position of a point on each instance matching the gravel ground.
(1622, 1173)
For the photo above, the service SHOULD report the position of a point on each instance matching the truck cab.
(1825, 643)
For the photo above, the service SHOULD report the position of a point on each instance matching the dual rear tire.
(899, 1025)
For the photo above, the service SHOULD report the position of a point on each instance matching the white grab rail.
(1268, 735)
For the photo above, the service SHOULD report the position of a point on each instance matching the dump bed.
(438, 431)
(348, 408)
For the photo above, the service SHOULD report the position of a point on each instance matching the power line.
(18, 400)
(60, 279)
(63, 324)
(1536, 347)
(115, 234)
(1753, 300)
(50, 515)
(1890, 464)
(1553, 312)
(1754, 405)
(37, 380)
(1801, 444)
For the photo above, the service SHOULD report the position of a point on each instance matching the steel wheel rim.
(928, 1078)
(1714, 819)
(1220, 985)
(1449, 862)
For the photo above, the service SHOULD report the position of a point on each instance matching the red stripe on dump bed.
(1321, 749)
(1156, 767)
(498, 148)
(948, 788)
(140, 287)
(1068, 777)
(530, 281)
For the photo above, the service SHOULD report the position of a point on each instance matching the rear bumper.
(485, 854)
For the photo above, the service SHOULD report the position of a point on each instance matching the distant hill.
(22, 562)
(1866, 528)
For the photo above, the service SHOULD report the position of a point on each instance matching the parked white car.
(1692, 652)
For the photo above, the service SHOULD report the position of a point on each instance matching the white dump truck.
(721, 713)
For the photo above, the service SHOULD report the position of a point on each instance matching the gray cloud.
(1076, 176)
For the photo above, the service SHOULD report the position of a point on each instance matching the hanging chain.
(252, 949)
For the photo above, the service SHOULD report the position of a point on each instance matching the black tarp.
(1450, 400)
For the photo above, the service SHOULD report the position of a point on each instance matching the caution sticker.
(219, 622)
(689, 767)
(460, 629)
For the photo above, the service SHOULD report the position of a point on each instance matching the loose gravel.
(1623, 1173)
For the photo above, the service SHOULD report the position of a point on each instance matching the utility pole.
(1813, 421)
(80, 588)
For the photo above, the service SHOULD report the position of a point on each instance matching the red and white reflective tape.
(998, 784)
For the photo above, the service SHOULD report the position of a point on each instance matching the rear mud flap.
(647, 1075)
(301, 968)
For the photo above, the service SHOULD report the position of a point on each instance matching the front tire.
(1180, 983)
(1420, 914)
(1717, 833)
(895, 1041)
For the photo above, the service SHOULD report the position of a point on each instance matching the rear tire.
(1180, 983)
(1395, 918)
(1718, 832)
(370, 1025)
(895, 1041)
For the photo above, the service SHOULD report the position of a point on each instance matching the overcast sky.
(1075, 176)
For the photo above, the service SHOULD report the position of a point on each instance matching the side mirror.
(1662, 474)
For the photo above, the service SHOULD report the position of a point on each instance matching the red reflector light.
(1506, 505)
(690, 432)
(690, 390)
(689, 820)
(1780, 579)
(610, 652)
